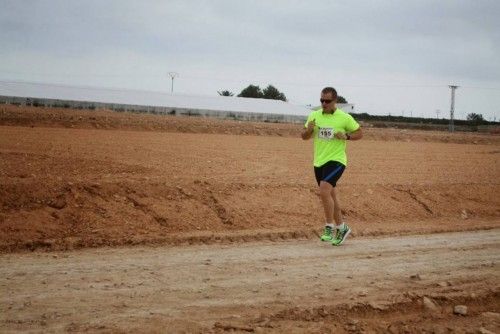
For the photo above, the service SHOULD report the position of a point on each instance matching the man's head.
(328, 99)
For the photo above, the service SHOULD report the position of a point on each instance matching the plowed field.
(167, 224)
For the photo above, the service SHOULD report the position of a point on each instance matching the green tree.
(272, 93)
(341, 99)
(251, 91)
(476, 118)
(225, 93)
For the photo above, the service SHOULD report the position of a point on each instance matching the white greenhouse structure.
(229, 107)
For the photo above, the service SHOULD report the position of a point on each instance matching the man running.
(330, 127)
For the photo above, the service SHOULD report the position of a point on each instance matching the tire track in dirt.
(415, 198)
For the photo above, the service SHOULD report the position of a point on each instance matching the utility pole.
(437, 113)
(172, 75)
(452, 109)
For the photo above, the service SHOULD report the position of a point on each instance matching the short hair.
(331, 90)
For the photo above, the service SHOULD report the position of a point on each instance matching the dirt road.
(265, 286)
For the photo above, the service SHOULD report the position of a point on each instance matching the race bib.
(325, 133)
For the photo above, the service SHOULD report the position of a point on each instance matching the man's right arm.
(308, 132)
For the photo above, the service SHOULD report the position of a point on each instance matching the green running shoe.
(341, 235)
(327, 234)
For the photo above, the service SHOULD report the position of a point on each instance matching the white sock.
(341, 226)
(332, 226)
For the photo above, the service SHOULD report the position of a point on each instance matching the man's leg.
(327, 177)
(328, 206)
(337, 212)
(342, 230)
(325, 190)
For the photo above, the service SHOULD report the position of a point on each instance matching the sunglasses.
(325, 101)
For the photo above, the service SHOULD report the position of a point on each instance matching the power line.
(476, 87)
(61, 85)
(151, 75)
(46, 74)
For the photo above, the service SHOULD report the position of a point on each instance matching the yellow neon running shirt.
(326, 146)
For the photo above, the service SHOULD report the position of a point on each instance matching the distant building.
(52, 95)
(347, 107)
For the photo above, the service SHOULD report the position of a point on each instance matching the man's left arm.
(352, 130)
(355, 135)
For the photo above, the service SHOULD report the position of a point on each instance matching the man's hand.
(311, 125)
(341, 135)
(307, 133)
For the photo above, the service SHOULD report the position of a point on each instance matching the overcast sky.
(394, 57)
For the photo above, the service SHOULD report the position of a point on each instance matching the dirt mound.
(112, 120)
(380, 318)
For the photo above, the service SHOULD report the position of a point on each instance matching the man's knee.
(335, 198)
(325, 189)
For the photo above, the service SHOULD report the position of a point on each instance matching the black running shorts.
(330, 172)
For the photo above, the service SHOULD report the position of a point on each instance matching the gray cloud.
(227, 44)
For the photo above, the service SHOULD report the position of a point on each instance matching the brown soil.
(373, 285)
(74, 179)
